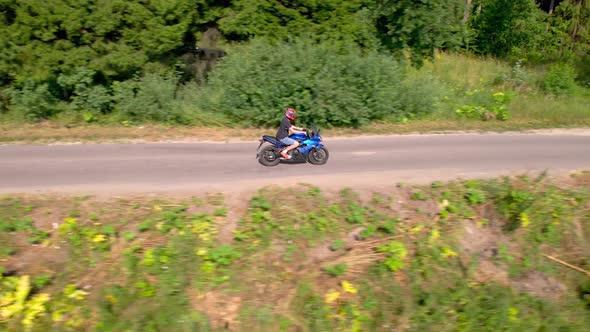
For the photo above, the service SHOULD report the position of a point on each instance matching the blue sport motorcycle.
(310, 149)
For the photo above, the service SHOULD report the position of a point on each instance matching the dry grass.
(48, 134)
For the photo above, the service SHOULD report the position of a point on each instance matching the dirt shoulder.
(50, 133)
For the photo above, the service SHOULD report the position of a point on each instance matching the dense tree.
(420, 27)
(114, 37)
(324, 19)
(505, 27)
(575, 17)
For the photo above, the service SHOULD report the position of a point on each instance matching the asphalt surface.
(191, 167)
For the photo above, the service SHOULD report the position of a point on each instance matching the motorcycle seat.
(272, 140)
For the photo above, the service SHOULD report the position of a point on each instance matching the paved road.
(369, 160)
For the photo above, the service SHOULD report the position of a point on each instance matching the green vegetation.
(252, 83)
(479, 254)
(340, 63)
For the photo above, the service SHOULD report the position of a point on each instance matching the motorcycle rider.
(285, 129)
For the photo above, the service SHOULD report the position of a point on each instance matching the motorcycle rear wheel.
(269, 156)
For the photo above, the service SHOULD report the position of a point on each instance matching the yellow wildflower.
(331, 297)
(434, 235)
(448, 252)
(524, 219)
(112, 299)
(99, 238)
(348, 287)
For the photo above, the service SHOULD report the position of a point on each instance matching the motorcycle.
(310, 149)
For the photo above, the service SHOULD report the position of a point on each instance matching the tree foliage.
(420, 27)
(507, 27)
(347, 21)
(120, 57)
(116, 38)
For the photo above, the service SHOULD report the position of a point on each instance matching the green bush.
(191, 103)
(3, 102)
(560, 79)
(336, 270)
(513, 204)
(328, 85)
(34, 102)
(149, 98)
(486, 106)
(582, 69)
(475, 196)
(418, 96)
(87, 98)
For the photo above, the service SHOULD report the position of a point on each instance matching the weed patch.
(475, 258)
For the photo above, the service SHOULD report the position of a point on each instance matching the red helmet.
(290, 113)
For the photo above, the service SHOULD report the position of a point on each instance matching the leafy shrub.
(518, 75)
(328, 85)
(486, 106)
(396, 252)
(220, 212)
(41, 280)
(368, 232)
(436, 185)
(34, 102)
(336, 270)
(37, 236)
(146, 225)
(560, 79)
(419, 196)
(260, 202)
(145, 289)
(389, 225)
(356, 214)
(337, 245)
(513, 204)
(16, 225)
(3, 101)
(172, 220)
(7, 251)
(223, 255)
(582, 69)
(129, 236)
(87, 98)
(149, 98)
(417, 97)
(475, 196)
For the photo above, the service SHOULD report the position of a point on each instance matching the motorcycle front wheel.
(318, 156)
(269, 156)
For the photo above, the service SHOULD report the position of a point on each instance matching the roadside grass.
(35, 134)
(465, 255)
(465, 80)
(560, 110)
